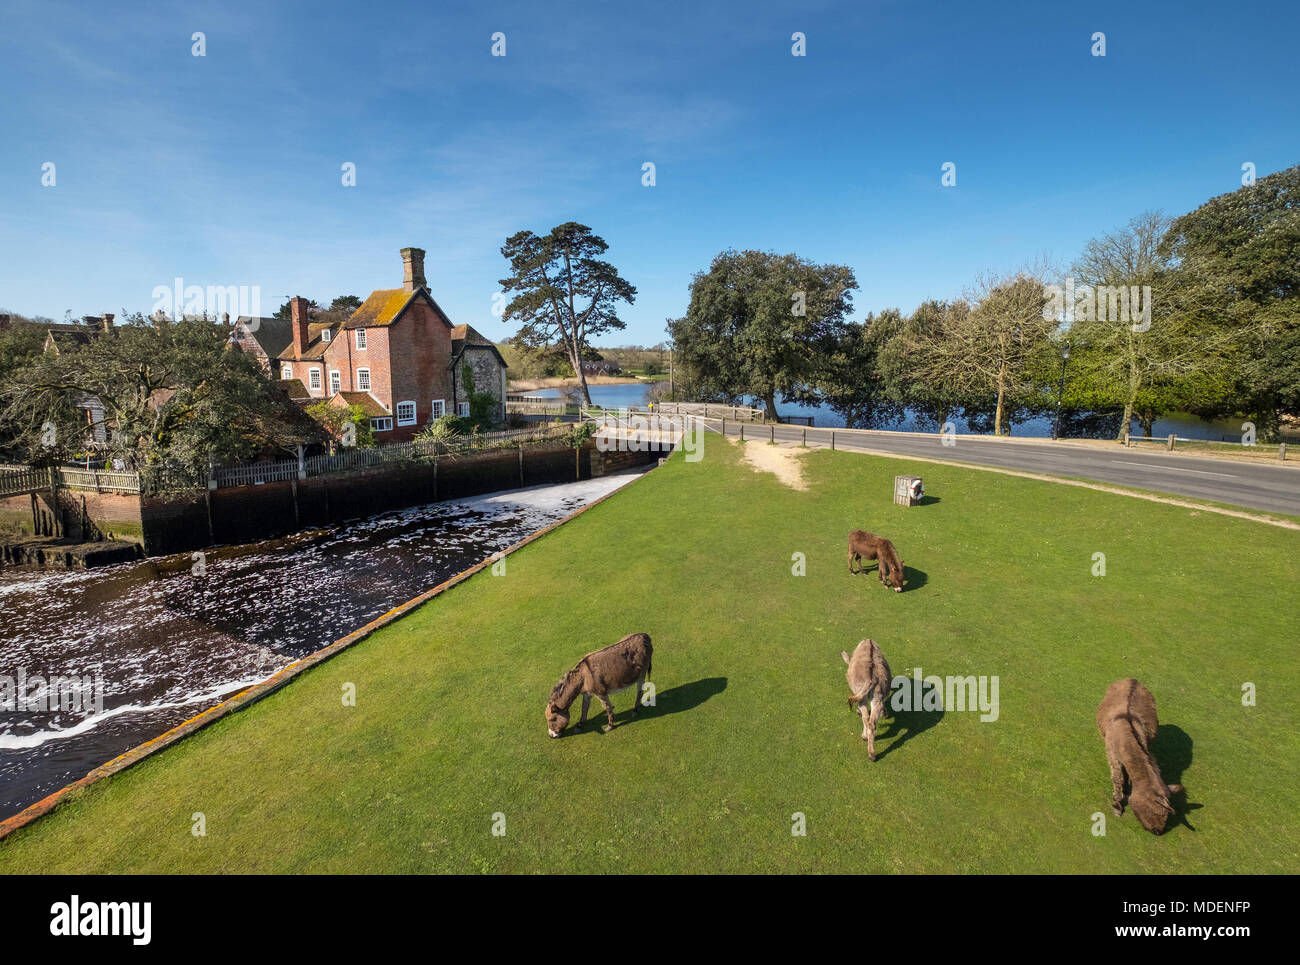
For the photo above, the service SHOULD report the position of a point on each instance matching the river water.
(166, 638)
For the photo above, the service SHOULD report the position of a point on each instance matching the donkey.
(1126, 718)
(599, 674)
(865, 546)
(869, 681)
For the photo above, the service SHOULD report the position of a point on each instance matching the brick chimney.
(413, 269)
(106, 322)
(298, 307)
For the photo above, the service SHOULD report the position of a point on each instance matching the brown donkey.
(869, 681)
(599, 674)
(1126, 718)
(868, 546)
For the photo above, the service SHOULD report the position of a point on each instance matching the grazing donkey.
(868, 676)
(601, 673)
(1126, 718)
(865, 546)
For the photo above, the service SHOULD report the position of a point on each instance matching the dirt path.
(781, 460)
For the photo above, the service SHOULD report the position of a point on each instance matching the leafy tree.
(1237, 261)
(849, 378)
(902, 342)
(1147, 363)
(758, 323)
(334, 419)
(566, 293)
(173, 394)
(985, 352)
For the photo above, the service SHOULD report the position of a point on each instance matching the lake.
(1181, 424)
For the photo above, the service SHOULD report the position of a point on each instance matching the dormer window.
(325, 335)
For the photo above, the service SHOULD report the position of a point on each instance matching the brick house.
(397, 348)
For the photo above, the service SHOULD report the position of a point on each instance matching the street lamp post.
(1060, 394)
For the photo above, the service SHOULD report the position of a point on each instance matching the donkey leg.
(1117, 782)
(636, 700)
(609, 709)
(852, 555)
(586, 702)
(876, 705)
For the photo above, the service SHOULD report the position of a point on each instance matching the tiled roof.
(463, 336)
(369, 404)
(386, 306)
(272, 335)
(315, 345)
(294, 389)
(381, 308)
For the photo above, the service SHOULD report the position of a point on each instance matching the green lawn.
(751, 724)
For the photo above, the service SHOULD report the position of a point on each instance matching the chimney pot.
(106, 323)
(298, 309)
(413, 269)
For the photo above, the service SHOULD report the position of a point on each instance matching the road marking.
(1147, 465)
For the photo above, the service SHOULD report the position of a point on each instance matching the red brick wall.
(421, 345)
(407, 362)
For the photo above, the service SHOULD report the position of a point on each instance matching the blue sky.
(225, 169)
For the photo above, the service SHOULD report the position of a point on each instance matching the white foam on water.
(86, 724)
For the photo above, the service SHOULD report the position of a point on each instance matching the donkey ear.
(845, 656)
(1175, 788)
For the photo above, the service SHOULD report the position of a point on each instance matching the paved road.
(1274, 488)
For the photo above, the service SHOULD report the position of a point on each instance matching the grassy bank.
(750, 724)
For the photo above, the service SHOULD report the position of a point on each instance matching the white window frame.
(366, 387)
(405, 420)
(313, 379)
(336, 382)
(438, 409)
(325, 334)
(381, 424)
(462, 409)
(361, 340)
(286, 372)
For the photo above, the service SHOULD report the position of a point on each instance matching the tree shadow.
(1172, 748)
(675, 700)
